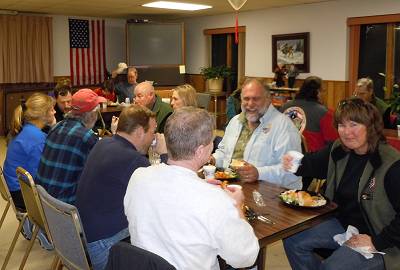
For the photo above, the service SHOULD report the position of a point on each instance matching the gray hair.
(186, 129)
(258, 81)
(88, 119)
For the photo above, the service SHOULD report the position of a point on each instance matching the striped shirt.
(67, 146)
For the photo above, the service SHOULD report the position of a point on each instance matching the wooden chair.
(66, 231)
(20, 214)
(34, 209)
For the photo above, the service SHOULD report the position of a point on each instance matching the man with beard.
(260, 135)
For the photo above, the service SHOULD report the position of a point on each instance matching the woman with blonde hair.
(27, 140)
(183, 96)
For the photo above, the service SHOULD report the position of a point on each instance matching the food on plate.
(237, 163)
(302, 198)
(224, 184)
(225, 175)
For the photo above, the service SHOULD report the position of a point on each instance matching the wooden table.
(392, 138)
(288, 221)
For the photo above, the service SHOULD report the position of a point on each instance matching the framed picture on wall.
(291, 49)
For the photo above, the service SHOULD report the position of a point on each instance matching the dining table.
(286, 220)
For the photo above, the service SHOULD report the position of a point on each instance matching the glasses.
(354, 101)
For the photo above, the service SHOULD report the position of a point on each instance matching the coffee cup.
(209, 171)
(296, 161)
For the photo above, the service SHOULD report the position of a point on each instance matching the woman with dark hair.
(107, 91)
(319, 129)
(362, 173)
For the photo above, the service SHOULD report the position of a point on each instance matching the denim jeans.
(99, 250)
(300, 247)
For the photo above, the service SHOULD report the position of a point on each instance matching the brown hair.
(355, 109)
(133, 117)
(188, 94)
(35, 107)
(258, 81)
(186, 129)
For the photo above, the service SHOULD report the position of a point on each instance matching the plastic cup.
(398, 130)
(209, 171)
(104, 105)
(297, 157)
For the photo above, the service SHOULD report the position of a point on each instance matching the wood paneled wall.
(332, 91)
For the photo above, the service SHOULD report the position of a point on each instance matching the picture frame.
(292, 49)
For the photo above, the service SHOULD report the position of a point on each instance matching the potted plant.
(215, 76)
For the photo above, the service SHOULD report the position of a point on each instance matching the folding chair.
(20, 214)
(34, 209)
(66, 232)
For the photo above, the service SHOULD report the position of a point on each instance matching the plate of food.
(226, 174)
(303, 199)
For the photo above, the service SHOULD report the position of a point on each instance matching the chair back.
(298, 117)
(123, 256)
(66, 231)
(31, 199)
(203, 100)
(4, 191)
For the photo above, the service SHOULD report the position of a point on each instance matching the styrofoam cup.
(209, 171)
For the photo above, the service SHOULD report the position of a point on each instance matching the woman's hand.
(361, 240)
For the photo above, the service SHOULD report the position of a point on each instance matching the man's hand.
(161, 147)
(238, 196)
(361, 240)
(287, 162)
(248, 173)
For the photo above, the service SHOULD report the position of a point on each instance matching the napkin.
(351, 230)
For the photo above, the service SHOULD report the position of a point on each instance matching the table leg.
(261, 258)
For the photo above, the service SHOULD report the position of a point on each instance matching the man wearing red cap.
(67, 147)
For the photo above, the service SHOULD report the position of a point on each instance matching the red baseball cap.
(85, 100)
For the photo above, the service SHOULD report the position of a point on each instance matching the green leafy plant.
(216, 72)
(394, 100)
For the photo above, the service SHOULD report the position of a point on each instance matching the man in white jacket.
(179, 216)
(260, 135)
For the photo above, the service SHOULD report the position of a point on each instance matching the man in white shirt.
(260, 135)
(180, 217)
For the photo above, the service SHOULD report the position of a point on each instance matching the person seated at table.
(67, 147)
(146, 96)
(63, 96)
(28, 140)
(105, 177)
(362, 173)
(25, 149)
(183, 95)
(365, 91)
(125, 83)
(319, 130)
(259, 135)
(180, 217)
(107, 91)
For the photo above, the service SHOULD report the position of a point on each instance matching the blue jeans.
(300, 247)
(99, 250)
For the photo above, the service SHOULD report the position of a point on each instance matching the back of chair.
(124, 256)
(66, 231)
(298, 117)
(203, 100)
(4, 191)
(31, 198)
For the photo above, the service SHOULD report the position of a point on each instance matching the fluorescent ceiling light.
(175, 5)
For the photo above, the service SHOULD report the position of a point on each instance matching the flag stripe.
(87, 51)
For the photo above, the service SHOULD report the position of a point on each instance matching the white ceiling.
(133, 8)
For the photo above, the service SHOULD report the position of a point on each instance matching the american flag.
(87, 51)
